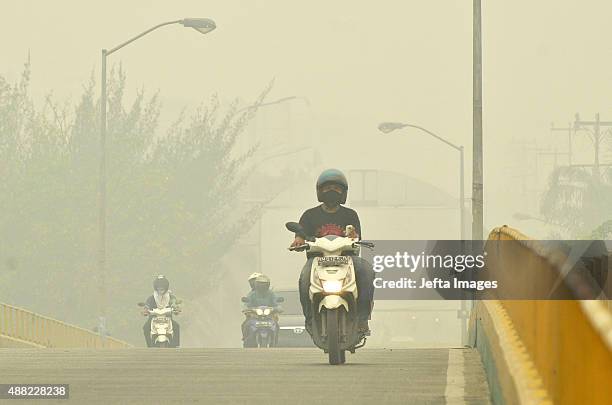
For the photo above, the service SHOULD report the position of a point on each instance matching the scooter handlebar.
(363, 243)
(299, 248)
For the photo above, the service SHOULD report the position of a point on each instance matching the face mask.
(331, 198)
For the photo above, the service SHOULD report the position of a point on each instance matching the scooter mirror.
(244, 299)
(294, 227)
(141, 304)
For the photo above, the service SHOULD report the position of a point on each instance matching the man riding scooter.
(162, 298)
(260, 296)
(252, 279)
(332, 218)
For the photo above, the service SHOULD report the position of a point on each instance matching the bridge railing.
(542, 351)
(23, 328)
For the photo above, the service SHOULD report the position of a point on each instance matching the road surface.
(253, 376)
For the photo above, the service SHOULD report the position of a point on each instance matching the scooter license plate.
(333, 261)
(160, 320)
(263, 324)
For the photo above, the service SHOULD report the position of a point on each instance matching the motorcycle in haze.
(333, 292)
(161, 324)
(262, 325)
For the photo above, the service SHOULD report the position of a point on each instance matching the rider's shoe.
(308, 326)
(363, 327)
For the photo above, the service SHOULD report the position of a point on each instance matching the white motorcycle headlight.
(259, 311)
(267, 311)
(332, 286)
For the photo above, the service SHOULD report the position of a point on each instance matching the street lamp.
(387, 127)
(202, 25)
(280, 100)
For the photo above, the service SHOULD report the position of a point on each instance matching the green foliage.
(578, 200)
(172, 200)
(602, 232)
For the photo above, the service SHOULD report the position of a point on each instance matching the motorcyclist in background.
(252, 278)
(162, 298)
(260, 296)
(332, 218)
(251, 281)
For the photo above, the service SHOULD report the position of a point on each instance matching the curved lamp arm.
(202, 25)
(387, 127)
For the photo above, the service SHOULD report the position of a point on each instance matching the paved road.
(237, 376)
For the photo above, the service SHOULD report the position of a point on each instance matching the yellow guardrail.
(566, 345)
(23, 328)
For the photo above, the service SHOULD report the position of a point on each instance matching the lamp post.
(202, 25)
(477, 150)
(280, 100)
(387, 127)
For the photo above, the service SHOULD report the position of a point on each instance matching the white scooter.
(161, 324)
(333, 293)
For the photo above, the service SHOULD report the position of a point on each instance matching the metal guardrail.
(31, 329)
(569, 342)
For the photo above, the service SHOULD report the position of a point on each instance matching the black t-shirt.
(317, 222)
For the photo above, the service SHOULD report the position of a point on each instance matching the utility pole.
(597, 137)
(102, 204)
(477, 164)
(569, 129)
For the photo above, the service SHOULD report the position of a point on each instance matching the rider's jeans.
(364, 276)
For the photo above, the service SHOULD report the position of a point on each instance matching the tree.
(578, 200)
(171, 199)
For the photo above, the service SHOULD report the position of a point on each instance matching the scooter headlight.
(332, 286)
(266, 311)
(259, 311)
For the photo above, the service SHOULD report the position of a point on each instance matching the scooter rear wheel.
(336, 355)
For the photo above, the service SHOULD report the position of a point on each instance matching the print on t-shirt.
(319, 223)
(329, 229)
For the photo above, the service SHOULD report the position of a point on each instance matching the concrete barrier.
(23, 328)
(7, 342)
(559, 351)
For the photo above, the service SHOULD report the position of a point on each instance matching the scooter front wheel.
(336, 355)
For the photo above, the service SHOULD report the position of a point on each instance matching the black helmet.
(262, 283)
(161, 283)
(332, 176)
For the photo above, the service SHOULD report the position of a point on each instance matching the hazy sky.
(357, 62)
